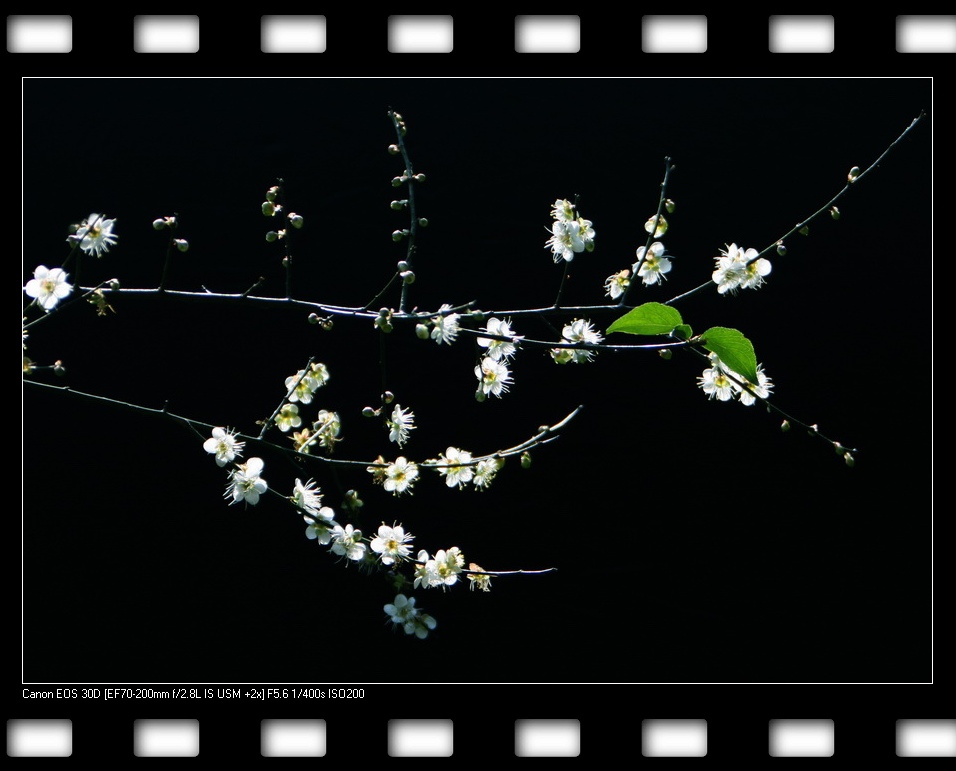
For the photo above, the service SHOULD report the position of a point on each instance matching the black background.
(694, 541)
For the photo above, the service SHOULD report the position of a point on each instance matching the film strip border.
(491, 737)
(603, 36)
(492, 730)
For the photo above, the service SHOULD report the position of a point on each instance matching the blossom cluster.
(441, 570)
(459, 469)
(300, 389)
(494, 376)
(578, 331)
(737, 268)
(650, 267)
(720, 382)
(307, 382)
(403, 613)
(570, 233)
(397, 477)
(246, 482)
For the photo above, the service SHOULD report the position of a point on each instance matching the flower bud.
(850, 460)
(422, 222)
(661, 225)
(285, 261)
(408, 276)
(296, 220)
(272, 192)
(785, 426)
(480, 395)
(665, 353)
(159, 224)
(670, 206)
(402, 265)
(397, 205)
(834, 212)
(313, 318)
(526, 459)
(781, 249)
(419, 177)
(397, 181)
(58, 369)
(388, 397)
(421, 331)
(271, 236)
(854, 173)
(839, 448)
(182, 244)
(327, 324)
(805, 230)
(397, 235)
(393, 150)
(368, 412)
(268, 208)
(114, 284)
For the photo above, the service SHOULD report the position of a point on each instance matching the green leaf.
(683, 331)
(734, 350)
(647, 319)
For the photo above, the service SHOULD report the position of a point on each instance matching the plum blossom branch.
(544, 434)
(854, 176)
(653, 230)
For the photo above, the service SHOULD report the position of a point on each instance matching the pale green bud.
(422, 222)
(670, 206)
(781, 249)
(271, 236)
(666, 353)
(393, 150)
(368, 412)
(313, 318)
(480, 395)
(785, 426)
(834, 212)
(850, 460)
(268, 208)
(115, 284)
(397, 181)
(182, 244)
(408, 276)
(854, 173)
(805, 230)
(398, 205)
(397, 235)
(403, 265)
(271, 193)
(159, 224)
(388, 397)
(419, 177)
(526, 459)
(296, 220)
(421, 331)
